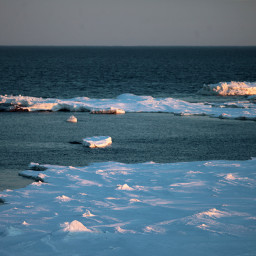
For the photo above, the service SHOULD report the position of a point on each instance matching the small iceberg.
(72, 119)
(97, 141)
(110, 110)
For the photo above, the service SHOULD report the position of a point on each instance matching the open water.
(106, 72)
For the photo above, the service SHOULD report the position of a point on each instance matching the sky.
(128, 22)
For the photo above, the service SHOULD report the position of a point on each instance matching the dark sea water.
(106, 72)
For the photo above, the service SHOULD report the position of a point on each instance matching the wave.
(130, 103)
(229, 89)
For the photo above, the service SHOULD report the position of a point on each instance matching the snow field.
(197, 208)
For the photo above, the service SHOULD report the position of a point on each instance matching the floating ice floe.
(229, 89)
(72, 119)
(133, 103)
(97, 141)
(214, 208)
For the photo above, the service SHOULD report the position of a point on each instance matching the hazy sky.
(127, 22)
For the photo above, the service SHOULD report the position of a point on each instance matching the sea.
(106, 72)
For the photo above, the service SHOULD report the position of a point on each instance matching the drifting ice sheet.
(198, 208)
(97, 141)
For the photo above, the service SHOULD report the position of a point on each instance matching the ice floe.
(208, 206)
(72, 119)
(229, 89)
(97, 141)
(132, 103)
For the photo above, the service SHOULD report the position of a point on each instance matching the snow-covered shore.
(195, 208)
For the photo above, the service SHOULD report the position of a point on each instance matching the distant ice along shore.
(229, 89)
(132, 209)
(244, 110)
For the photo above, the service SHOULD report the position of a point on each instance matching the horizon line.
(38, 45)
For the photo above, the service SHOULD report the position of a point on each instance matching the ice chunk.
(133, 200)
(230, 176)
(124, 187)
(97, 141)
(63, 198)
(213, 213)
(123, 231)
(36, 167)
(229, 89)
(72, 119)
(25, 223)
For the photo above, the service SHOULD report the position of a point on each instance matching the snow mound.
(72, 119)
(229, 89)
(124, 231)
(133, 200)
(63, 198)
(88, 214)
(97, 141)
(230, 176)
(213, 213)
(124, 187)
(75, 226)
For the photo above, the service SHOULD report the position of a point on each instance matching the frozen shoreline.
(244, 110)
(210, 203)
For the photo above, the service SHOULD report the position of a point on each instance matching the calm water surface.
(137, 137)
(106, 72)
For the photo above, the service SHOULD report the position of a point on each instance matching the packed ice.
(229, 88)
(97, 141)
(110, 208)
(244, 110)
